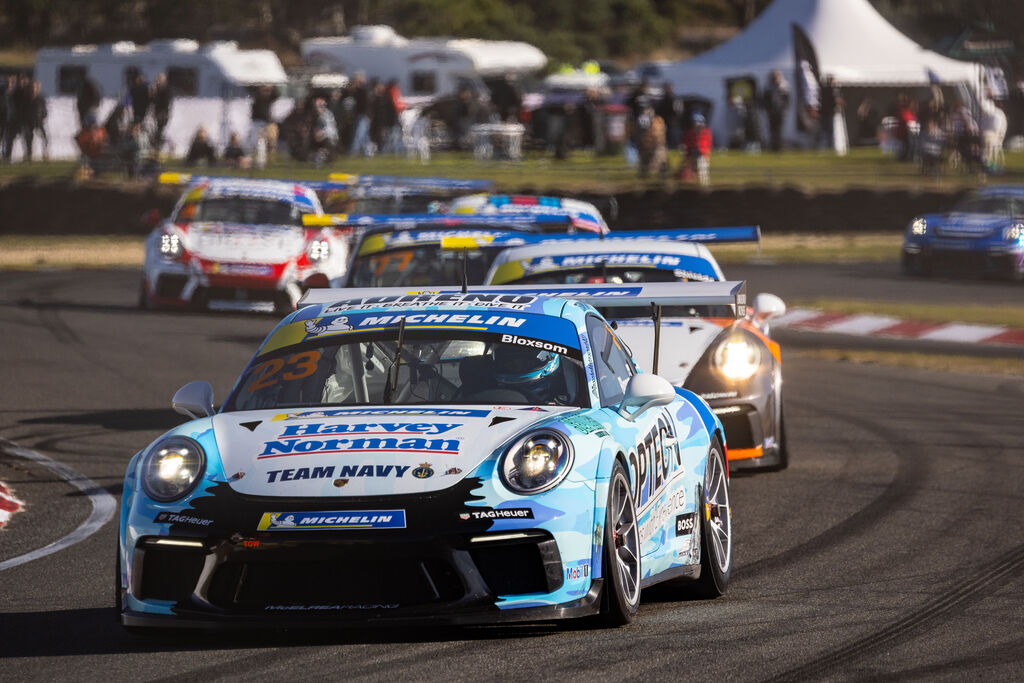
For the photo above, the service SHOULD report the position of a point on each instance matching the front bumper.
(442, 568)
(981, 258)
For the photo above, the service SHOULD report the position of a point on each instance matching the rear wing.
(653, 294)
(744, 233)
(434, 220)
(366, 185)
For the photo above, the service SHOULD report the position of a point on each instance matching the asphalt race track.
(891, 549)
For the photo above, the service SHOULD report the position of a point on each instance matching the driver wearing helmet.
(532, 372)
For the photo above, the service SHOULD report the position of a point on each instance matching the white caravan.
(424, 67)
(217, 69)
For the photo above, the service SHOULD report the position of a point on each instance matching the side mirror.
(151, 218)
(643, 392)
(768, 306)
(195, 399)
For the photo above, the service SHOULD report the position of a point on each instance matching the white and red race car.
(240, 244)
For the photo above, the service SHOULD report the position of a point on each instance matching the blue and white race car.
(456, 456)
(983, 235)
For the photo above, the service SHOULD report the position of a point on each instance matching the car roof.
(1017, 190)
(283, 191)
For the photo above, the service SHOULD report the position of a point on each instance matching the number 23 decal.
(295, 366)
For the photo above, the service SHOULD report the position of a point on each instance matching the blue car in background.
(982, 236)
(445, 455)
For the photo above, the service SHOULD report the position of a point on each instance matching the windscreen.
(413, 367)
(426, 265)
(999, 204)
(245, 210)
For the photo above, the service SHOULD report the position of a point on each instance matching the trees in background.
(567, 30)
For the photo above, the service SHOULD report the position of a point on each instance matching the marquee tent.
(854, 43)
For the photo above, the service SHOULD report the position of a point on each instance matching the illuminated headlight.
(170, 245)
(318, 250)
(536, 462)
(737, 357)
(1014, 233)
(172, 467)
(918, 226)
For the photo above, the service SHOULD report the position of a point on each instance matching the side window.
(183, 81)
(424, 82)
(611, 362)
(69, 79)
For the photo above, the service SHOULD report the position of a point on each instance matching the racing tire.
(620, 559)
(916, 265)
(716, 529)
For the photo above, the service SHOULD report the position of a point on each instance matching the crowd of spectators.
(132, 134)
(937, 133)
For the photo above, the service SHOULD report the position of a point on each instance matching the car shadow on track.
(124, 420)
(94, 631)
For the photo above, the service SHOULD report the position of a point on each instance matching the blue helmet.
(524, 368)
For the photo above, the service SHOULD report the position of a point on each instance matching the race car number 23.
(296, 366)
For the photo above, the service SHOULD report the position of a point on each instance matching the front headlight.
(536, 462)
(170, 245)
(172, 467)
(1014, 233)
(318, 250)
(918, 226)
(737, 357)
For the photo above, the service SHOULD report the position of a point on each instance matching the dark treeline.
(567, 30)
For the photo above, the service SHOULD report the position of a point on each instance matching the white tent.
(853, 42)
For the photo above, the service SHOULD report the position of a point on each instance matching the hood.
(683, 342)
(969, 224)
(246, 243)
(363, 451)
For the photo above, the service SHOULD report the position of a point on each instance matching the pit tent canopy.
(853, 42)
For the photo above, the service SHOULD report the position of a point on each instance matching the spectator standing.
(993, 132)
(161, 100)
(325, 132)
(393, 123)
(697, 147)
(907, 127)
(381, 109)
(140, 96)
(360, 94)
(965, 137)
(38, 112)
(19, 116)
(637, 102)
(262, 102)
(87, 99)
(200, 149)
(651, 143)
(933, 147)
(776, 102)
(668, 108)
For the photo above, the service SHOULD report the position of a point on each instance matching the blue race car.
(451, 456)
(983, 235)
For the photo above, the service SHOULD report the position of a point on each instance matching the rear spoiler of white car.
(728, 293)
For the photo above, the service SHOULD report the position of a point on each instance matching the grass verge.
(584, 172)
(74, 251)
(104, 251)
(921, 361)
(1012, 316)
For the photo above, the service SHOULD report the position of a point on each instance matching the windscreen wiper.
(392, 382)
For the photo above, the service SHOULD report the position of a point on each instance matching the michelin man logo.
(339, 324)
(276, 521)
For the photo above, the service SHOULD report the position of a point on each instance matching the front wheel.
(716, 529)
(621, 555)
